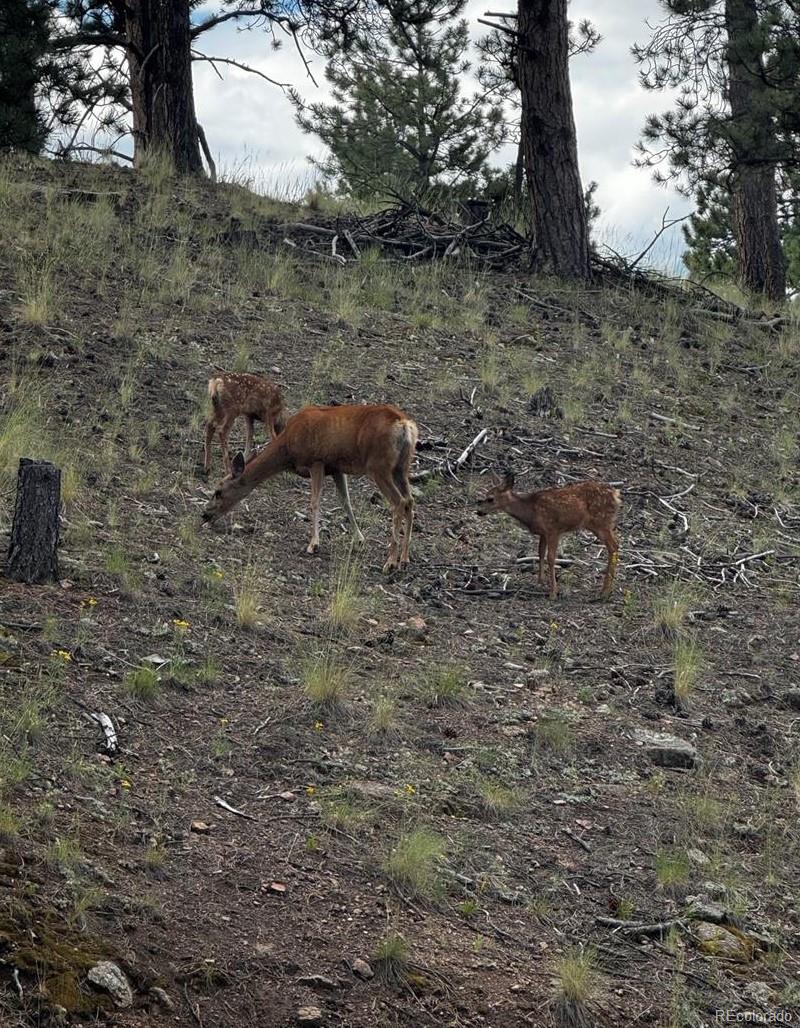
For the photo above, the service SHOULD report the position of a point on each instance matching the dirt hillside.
(450, 807)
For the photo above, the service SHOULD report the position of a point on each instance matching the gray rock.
(362, 969)
(309, 1015)
(718, 941)
(759, 993)
(108, 976)
(162, 998)
(318, 981)
(698, 857)
(667, 750)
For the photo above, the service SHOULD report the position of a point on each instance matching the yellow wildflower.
(318, 726)
(64, 655)
(125, 783)
(180, 624)
(90, 602)
(311, 789)
(410, 790)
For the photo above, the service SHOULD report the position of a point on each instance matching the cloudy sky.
(251, 128)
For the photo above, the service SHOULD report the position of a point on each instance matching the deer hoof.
(312, 547)
(390, 565)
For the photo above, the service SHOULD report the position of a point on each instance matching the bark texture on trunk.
(162, 96)
(33, 553)
(762, 267)
(561, 236)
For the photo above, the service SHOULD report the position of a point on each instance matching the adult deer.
(551, 513)
(377, 441)
(237, 395)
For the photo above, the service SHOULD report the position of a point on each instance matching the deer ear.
(238, 464)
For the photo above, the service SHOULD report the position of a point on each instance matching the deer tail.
(215, 388)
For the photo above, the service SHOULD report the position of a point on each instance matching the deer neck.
(522, 509)
(272, 460)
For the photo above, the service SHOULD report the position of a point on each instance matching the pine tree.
(399, 123)
(735, 64)
(24, 39)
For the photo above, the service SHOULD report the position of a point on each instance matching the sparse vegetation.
(414, 864)
(143, 683)
(444, 686)
(326, 680)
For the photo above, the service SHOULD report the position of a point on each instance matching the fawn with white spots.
(551, 513)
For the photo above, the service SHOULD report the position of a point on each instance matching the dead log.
(33, 552)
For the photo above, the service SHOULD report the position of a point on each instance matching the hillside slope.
(442, 771)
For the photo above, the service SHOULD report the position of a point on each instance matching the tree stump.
(33, 553)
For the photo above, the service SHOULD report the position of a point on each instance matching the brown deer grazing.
(373, 440)
(236, 395)
(551, 513)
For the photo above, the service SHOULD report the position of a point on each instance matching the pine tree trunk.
(162, 96)
(561, 236)
(33, 553)
(762, 267)
(519, 169)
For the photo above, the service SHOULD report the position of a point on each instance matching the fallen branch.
(220, 802)
(627, 928)
(109, 731)
(469, 450)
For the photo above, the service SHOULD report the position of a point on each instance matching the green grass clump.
(670, 609)
(413, 866)
(444, 686)
(326, 680)
(383, 719)
(496, 799)
(143, 683)
(247, 599)
(687, 662)
(672, 869)
(344, 609)
(553, 732)
(576, 984)
(391, 958)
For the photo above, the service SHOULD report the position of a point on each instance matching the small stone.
(415, 628)
(667, 750)
(362, 969)
(319, 981)
(698, 857)
(718, 941)
(287, 797)
(200, 827)
(759, 993)
(309, 1015)
(162, 998)
(712, 912)
(106, 975)
(714, 889)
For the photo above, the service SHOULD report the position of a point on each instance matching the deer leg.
(542, 558)
(398, 503)
(340, 481)
(211, 427)
(400, 477)
(248, 436)
(608, 537)
(317, 482)
(552, 551)
(224, 432)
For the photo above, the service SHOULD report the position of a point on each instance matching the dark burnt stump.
(33, 553)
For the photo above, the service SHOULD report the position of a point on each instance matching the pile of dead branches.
(410, 233)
